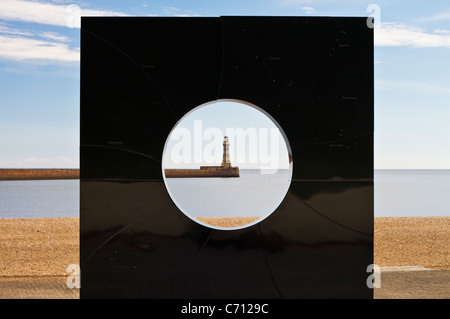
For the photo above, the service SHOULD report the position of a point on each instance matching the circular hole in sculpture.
(227, 164)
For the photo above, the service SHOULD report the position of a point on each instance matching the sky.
(40, 63)
(256, 141)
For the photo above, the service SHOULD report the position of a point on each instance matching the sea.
(40, 198)
(251, 195)
(411, 193)
(397, 193)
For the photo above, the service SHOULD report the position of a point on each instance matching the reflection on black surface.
(126, 243)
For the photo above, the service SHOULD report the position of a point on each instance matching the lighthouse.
(224, 170)
(226, 153)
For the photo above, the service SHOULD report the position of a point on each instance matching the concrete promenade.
(395, 284)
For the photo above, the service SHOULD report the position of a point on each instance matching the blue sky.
(39, 72)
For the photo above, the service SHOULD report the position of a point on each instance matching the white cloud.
(4, 29)
(22, 45)
(440, 31)
(48, 13)
(178, 12)
(170, 10)
(46, 46)
(295, 2)
(436, 17)
(414, 86)
(308, 10)
(20, 48)
(398, 34)
(409, 159)
(40, 162)
(54, 36)
(7, 30)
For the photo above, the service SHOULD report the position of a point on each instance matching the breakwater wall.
(204, 172)
(38, 174)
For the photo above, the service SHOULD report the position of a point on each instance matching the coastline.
(44, 247)
(38, 174)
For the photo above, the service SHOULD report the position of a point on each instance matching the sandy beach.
(225, 222)
(406, 241)
(35, 254)
(44, 247)
(38, 247)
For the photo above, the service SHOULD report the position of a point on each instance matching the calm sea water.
(42, 198)
(398, 193)
(408, 193)
(252, 194)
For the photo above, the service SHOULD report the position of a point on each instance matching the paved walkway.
(410, 284)
(395, 284)
(37, 288)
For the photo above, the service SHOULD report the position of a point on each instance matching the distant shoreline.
(38, 174)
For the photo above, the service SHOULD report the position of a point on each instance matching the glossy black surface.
(139, 76)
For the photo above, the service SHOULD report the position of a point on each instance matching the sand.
(44, 247)
(38, 247)
(226, 222)
(407, 241)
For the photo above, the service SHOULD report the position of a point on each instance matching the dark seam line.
(121, 149)
(194, 266)
(331, 220)
(121, 230)
(138, 66)
(268, 264)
